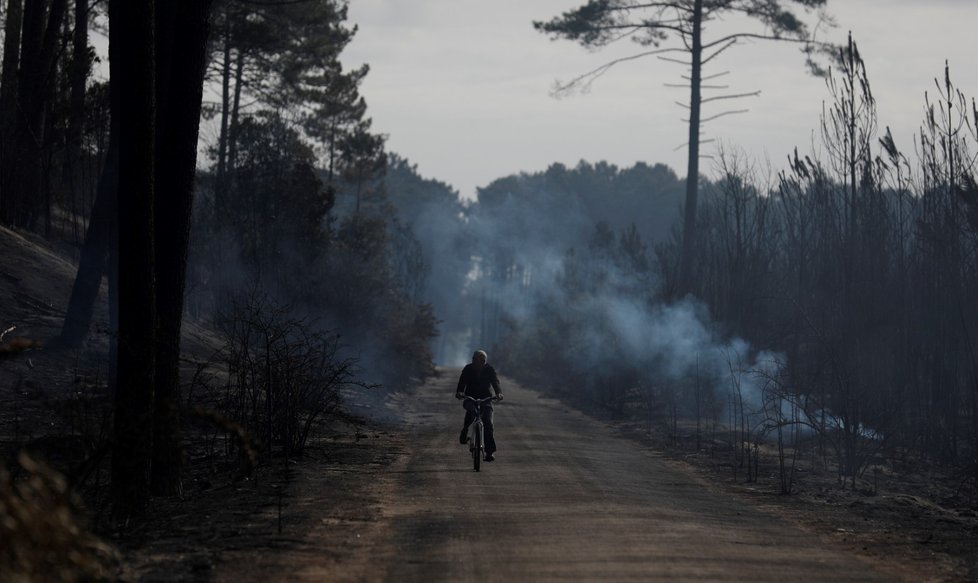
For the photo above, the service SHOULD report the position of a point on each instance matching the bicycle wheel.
(477, 448)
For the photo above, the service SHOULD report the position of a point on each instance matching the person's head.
(480, 358)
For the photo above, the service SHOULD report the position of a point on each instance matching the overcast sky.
(462, 87)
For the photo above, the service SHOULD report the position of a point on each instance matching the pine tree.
(651, 24)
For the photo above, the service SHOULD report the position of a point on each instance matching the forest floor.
(339, 512)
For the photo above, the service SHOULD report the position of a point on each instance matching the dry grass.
(41, 535)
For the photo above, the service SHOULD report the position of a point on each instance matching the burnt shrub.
(282, 376)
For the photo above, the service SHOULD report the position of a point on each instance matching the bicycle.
(477, 445)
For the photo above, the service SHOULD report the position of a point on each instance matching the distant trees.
(558, 258)
(600, 22)
(433, 251)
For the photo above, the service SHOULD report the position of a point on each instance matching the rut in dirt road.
(568, 500)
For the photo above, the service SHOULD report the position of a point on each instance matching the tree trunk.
(21, 145)
(78, 77)
(221, 194)
(180, 77)
(132, 76)
(688, 258)
(39, 50)
(235, 115)
(92, 264)
(8, 108)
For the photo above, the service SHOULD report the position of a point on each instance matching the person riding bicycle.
(475, 381)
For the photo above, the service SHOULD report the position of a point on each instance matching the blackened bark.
(8, 108)
(80, 66)
(232, 139)
(78, 70)
(220, 202)
(132, 76)
(688, 257)
(20, 145)
(39, 48)
(94, 253)
(180, 77)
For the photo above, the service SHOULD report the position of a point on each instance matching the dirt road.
(566, 499)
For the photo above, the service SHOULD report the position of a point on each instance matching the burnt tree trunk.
(232, 139)
(221, 187)
(78, 70)
(182, 29)
(20, 146)
(39, 48)
(688, 257)
(131, 55)
(94, 253)
(8, 107)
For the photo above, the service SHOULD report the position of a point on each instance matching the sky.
(462, 88)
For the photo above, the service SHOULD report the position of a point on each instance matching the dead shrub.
(283, 375)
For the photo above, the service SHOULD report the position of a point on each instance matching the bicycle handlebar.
(480, 401)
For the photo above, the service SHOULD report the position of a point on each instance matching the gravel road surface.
(568, 500)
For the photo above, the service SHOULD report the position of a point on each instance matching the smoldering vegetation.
(829, 312)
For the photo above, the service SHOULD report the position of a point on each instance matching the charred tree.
(77, 71)
(40, 41)
(131, 55)
(8, 107)
(182, 29)
(95, 250)
(693, 143)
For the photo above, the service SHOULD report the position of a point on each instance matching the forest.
(215, 174)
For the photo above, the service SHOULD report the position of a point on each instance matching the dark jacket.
(477, 383)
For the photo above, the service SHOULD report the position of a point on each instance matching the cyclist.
(475, 381)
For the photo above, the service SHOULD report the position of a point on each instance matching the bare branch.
(680, 61)
(725, 113)
(584, 80)
(718, 51)
(757, 36)
(738, 95)
(714, 76)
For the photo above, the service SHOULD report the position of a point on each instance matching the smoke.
(672, 342)
(571, 286)
(539, 272)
